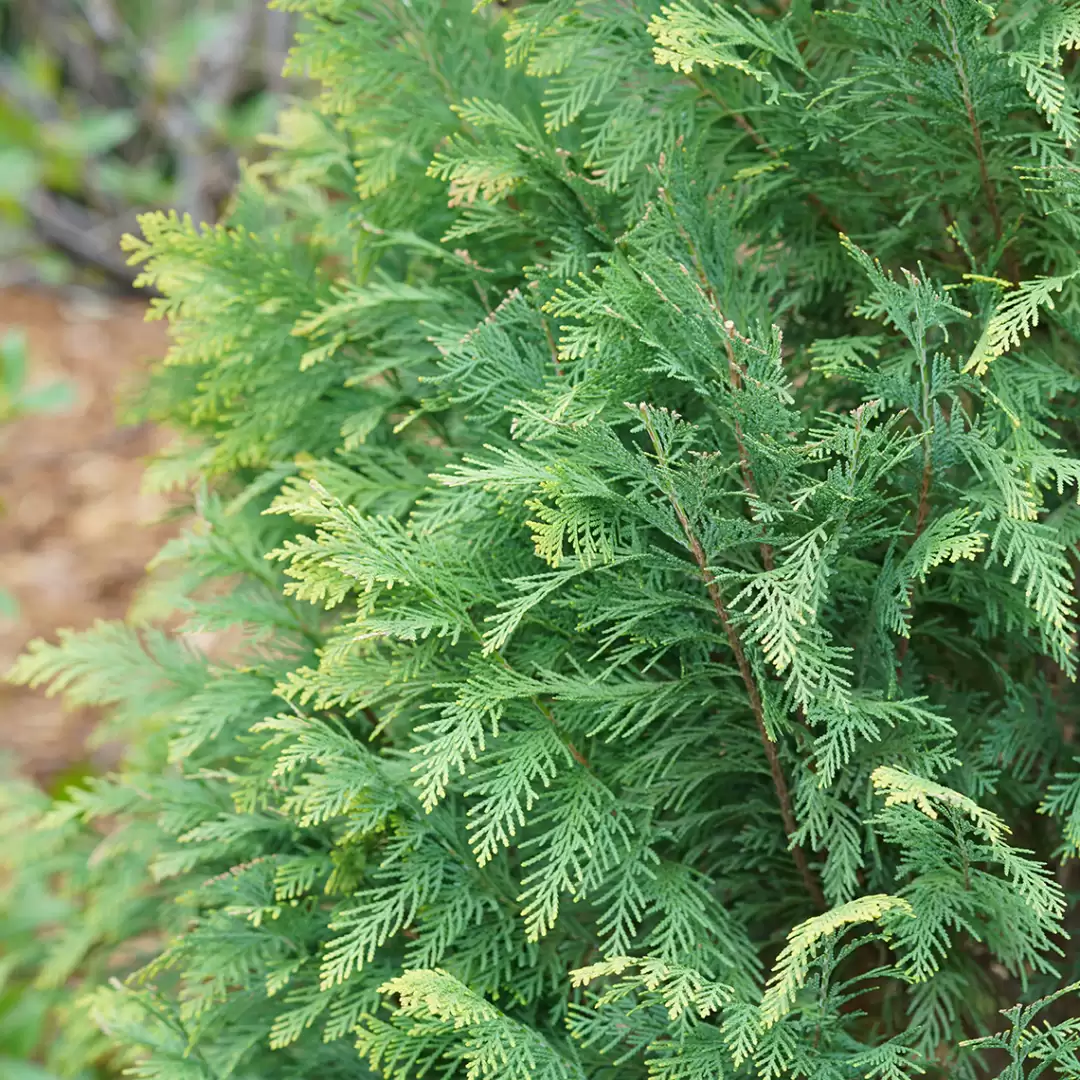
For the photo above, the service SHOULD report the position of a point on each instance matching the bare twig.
(203, 177)
(105, 20)
(76, 42)
(82, 235)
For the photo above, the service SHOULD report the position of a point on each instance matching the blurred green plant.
(32, 1000)
(111, 107)
(17, 399)
(53, 942)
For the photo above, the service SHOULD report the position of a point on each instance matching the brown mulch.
(76, 531)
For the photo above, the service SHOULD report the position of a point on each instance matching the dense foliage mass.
(634, 468)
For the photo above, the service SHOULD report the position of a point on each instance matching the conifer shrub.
(633, 456)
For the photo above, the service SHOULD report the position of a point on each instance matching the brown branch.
(549, 715)
(204, 170)
(277, 34)
(924, 497)
(921, 515)
(552, 346)
(922, 511)
(762, 143)
(984, 174)
(989, 192)
(735, 372)
(86, 67)
(776, 769)
(82, 235)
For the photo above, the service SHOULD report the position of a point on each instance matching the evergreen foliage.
(634, 463)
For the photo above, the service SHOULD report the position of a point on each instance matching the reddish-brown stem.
(984, 174)
(760, 141)
(546, 712)
(734, 370)
(783, 794)
(745, 468)
(575, 753)
(924, 497)
(552, 347)
(776, 769)
(989, 192)
(921, 515)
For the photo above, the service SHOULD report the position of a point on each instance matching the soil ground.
(76, 531)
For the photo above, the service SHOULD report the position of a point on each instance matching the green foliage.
(16, 397)
(634, 481)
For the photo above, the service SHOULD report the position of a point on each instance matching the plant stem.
(735, 374)
(734, 370)
(923, 510)
(989, 192)
(776, 769)
(761, 142)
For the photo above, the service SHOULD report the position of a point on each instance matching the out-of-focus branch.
(223, 67)
(105, 21)
(16, 90)
(226, 60)
(64, 27)
(276, 38)
(82, 235)
(180, 125)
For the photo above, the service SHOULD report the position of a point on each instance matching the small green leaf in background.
(56, 397)
(40, 69)
(15, 399)
(11, 1069)
(19, 173)
(9, 606)
(97, 133)
(22, 1024)
(13, 363)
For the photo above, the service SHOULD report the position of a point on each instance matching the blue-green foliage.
(635, 483)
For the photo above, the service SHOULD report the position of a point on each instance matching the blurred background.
(107, 108)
